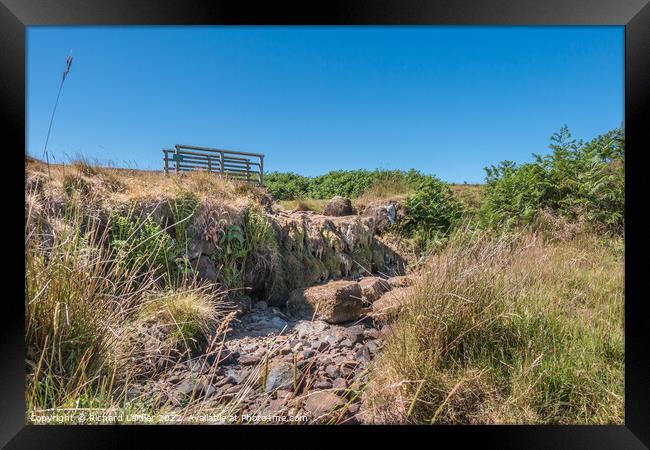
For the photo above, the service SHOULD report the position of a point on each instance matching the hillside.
(166, 298)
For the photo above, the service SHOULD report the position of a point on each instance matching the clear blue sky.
(445, 100)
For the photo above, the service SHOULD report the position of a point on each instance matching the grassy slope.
(509, 329)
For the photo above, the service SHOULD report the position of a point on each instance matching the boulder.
(388, 305)
(338, 206)
(383, 215)
(372, 288)
(334, 302)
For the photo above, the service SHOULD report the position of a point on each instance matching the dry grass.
(471, 195)
(120, 186)
(310, 204)
(385, 189)
(508, 329)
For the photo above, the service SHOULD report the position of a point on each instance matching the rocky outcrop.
(302, 249)
(338, 206)
(334, 302)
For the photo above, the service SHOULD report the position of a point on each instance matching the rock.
(355, 333)
(260, 306)
(332, 371)
(338, 206)
(389, 305)
(362, 354)
(323, 384)
(279, 376)
(383, 215)
(205, 267)
(321, 403)
(340, 383)
(400, 281)
(372, 288)
(249, 360)
(334, 302)
(346, 343)
(278, 323)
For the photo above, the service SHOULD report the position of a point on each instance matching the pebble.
(372, 333)
(249, 360)
(332, 371)
(323, 384)
(321, 403)
(346, 343)
(280, 376)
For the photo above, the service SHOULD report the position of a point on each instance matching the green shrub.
(183, 208)
(431, 212)
(576, 180)
(287, 186)
(346, 183)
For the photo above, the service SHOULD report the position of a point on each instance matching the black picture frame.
(16, 15)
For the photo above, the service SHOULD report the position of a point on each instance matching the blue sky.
(445, 100)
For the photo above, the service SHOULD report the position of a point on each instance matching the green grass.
(508, 329)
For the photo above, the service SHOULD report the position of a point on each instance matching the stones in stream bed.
(298, 367)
